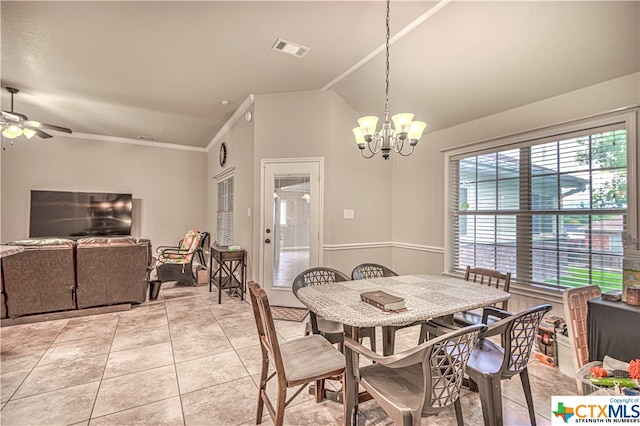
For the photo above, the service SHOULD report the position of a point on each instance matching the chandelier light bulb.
(401, 122)
(357, 133)
(415, 131)
(368, 125)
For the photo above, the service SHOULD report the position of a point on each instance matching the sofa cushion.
(36, 243)
(41, 278)
(110, 271)
(107, 241)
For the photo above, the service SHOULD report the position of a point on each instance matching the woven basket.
(587, 387)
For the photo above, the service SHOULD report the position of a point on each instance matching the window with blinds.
(225, 212)
(549, 211)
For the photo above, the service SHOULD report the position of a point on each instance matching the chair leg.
(280, 405)
(263, 389)
(490, 390)
(372, 339)
(423, 334)
(526, 386)
(458, 407)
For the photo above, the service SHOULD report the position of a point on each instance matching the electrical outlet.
(349, 214)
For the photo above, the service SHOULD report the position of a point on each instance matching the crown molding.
(239, 112)
(116, 139)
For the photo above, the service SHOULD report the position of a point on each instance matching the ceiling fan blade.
(57, 128)
(42, 134)
(12, 116)
(37, 124)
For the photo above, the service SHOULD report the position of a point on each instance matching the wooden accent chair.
(296, 362)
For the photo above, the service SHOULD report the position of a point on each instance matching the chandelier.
(404, 129)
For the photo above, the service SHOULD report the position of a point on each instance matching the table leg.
(350, 385)
(210, 270)
(388, 340)
(220, 264)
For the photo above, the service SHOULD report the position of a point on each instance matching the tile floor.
(185, 360)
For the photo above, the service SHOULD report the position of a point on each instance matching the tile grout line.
(34, 367)
(95, 400)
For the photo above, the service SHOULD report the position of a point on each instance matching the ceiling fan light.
(368, 125)
(12, 132)
(32, 123)
(28, 133)
(401, 122)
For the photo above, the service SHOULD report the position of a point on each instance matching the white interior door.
(291, 211)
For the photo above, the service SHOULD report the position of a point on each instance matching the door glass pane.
(291, 202)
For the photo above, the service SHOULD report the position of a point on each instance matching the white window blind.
(549, 211)
(225, 212)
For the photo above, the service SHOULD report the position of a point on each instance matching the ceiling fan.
(15, 124)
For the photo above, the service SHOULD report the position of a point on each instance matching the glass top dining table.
(426, 297)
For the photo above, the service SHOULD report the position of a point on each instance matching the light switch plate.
(349, 214)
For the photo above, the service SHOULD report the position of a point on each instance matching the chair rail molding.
(383, 244)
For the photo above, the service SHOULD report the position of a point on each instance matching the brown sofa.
(3, 309)
(41, 278)
(58, 275)
(111, 271)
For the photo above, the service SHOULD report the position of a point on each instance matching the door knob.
(267, 241)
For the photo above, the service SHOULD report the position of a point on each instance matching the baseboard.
(29, 319)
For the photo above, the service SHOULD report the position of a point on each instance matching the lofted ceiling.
(161, 69)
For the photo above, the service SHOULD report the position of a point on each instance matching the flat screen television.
(79, 214)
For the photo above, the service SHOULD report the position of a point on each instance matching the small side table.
(612, 329)
(229, 264)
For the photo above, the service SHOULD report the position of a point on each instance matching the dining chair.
(419, 382)
(333, 331)
(367, 271)
(490, 362)
(481, 276)
(575, 312)
(296, 362)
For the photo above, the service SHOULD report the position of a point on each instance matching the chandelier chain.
(391, 137)
(386, 101)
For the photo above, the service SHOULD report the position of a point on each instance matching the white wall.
(239, 141)
(318, 124)
(170, 182)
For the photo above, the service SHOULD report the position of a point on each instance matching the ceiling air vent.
(147, 138)
(290, 48)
